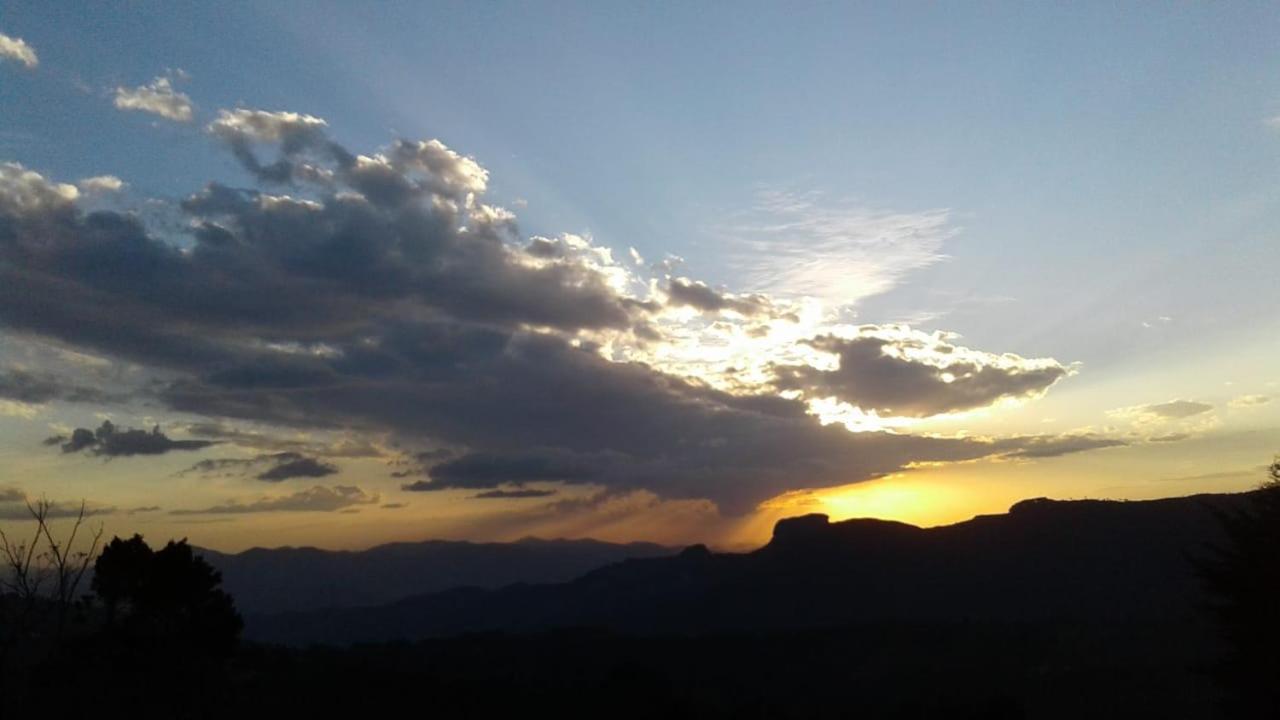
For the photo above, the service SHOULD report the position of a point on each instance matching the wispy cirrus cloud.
(1162, 412)
(1247, 401)
(804, 244)
(315, 499)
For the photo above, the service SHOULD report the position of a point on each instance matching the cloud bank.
(378, 294)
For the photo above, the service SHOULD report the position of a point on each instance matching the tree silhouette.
(1242, 578)
(169, 597)
(40, 576)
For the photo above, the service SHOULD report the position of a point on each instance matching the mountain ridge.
(1044, 561)
(265, 580)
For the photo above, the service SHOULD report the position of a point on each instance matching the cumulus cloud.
(159, 97)
(682, 291)
(27, 193)
(108, 441)
(12, 48)
(895, 371)
(316, 499)
(297, 135)
(102, 184)
(378, 294)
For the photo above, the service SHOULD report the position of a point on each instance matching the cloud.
(316, 499)
(107, 441)
(158, 98)
(895, 371)
(794, 244)
(1049, 446)
(279, 445)
(1162, 412)
(279, 466)
(14, 505)
(486, 470)
(24, 193)
(35, 388)
(517, 493)
(102, 184)
(377, 294)
(296, 134)
(682, 291)
(1245, 401)
(302, 467)
(12, 48)
(1171, 437)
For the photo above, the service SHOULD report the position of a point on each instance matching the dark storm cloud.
(610, 423)
(302, 467)
(316, 499)
(517, 493)
(910, 374)
(486, 470)
(31, 387)
(387, 298)
(111, 442)
(278, 446)
(279, 466)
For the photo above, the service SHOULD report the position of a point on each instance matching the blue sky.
(1092, 183)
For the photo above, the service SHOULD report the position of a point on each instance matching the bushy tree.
(168, 596)
(1242, 577)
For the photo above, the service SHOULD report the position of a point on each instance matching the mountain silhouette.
(1051, 561)
(281, 579)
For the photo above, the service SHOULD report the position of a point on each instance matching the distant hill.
(1043, 561)
(276, 580)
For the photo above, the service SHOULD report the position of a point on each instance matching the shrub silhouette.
(1242, 578)
(165, 597)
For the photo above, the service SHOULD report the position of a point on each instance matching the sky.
(311, 274)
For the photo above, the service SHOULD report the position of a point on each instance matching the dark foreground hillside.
(1054, 610)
